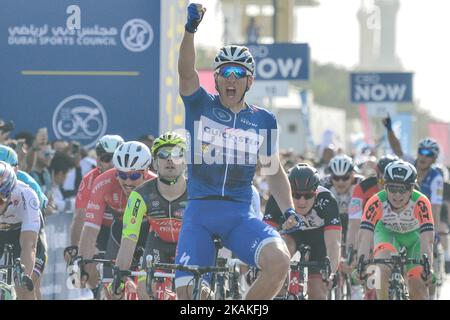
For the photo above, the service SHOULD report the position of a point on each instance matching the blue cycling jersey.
(224, 146)
(28, 180)
(433, 186)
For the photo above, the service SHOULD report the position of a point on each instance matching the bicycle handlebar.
(20, 277)
(397, 260)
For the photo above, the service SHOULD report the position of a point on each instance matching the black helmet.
(303, 178)
(384, 161)
(400, 172)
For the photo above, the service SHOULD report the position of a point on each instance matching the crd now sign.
(381, 87)
(281, 61)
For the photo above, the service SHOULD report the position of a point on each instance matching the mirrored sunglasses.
(133, 176)
(426, 152)
(174, 153)
(227, 71)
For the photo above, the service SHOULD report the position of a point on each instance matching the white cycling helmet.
(108, 144)
(430, 144)
(132, 155)
(8, 179)
(235, 54)
(340, 165)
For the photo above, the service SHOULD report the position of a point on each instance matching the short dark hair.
(61, 162)
(28, 136)
(148, 137)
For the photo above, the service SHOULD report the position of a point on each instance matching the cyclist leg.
(258, 244)
(195, 243)
(417, 287)
(12, 237)
(317, 288)
(162, 252)
(112, 249)
(385, 244)
(39, 265)
(291, 244)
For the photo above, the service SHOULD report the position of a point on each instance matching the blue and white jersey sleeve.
(31, 214)
(270, 136)
(28, 180)
(256, 203)
(437, 190)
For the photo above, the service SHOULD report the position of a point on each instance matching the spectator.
(5, 128)
(327, 153)
(73, 178)
(40, 171)
(59, 167)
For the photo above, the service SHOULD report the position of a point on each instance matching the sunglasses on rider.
(132, 176)
(306, 195)
(398, 189)
(174, 153)
(343, 178)
(426, 152)
(106, 157)
(238, 71)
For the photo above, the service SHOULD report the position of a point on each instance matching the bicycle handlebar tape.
(194, 17)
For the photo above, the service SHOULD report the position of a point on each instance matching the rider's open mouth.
(231, 92)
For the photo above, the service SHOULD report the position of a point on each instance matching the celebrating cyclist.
(226, 138)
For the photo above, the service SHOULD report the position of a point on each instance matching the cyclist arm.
(422, 212)
(395, 143)
(426, 244)
(88, 239)
(278, 182)
(436, 199)
(28, 243)
(132, 221)
(189, 81)
(333, 244)
(94, 217)
(354, 218)
(332, 232)
(31, 224)
(371, 215)
(77, 226)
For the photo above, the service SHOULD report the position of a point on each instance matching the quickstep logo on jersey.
(222, 115)
(236, 145)
(80, 117)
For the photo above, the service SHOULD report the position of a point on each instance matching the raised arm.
(189, 81)
(393, 140)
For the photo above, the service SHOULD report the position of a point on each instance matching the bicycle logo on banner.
(80, 117)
